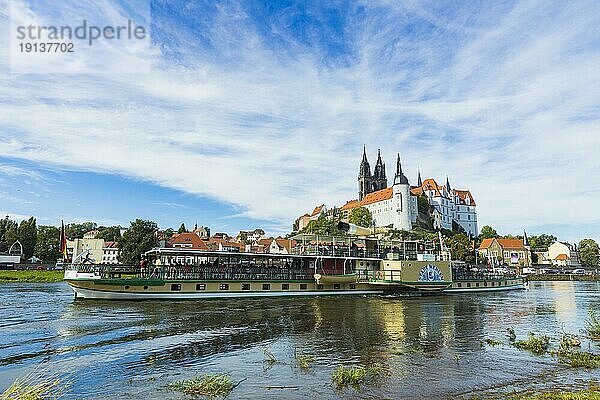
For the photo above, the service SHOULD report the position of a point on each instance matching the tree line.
(43, 241)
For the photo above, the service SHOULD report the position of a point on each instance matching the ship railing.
(375, 276)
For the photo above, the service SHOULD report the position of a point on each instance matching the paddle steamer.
(318, 266)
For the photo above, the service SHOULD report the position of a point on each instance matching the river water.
(429, 347)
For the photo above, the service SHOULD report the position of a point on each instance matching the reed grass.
(593, 325)
(36, 386)
(536, 344)
(492, 342)
(210, 385)
(355, 376)
(304, 360)
(32, 276)
(578, 359)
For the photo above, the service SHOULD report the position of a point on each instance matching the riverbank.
(563, 277)
(31, 276)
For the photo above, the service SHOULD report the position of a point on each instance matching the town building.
(251, 236)
(451, 205)
(110, 253)
(563, 254)
(277, 245)
(188, 240)
(511, 252)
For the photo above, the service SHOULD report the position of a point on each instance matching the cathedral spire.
(419, 181)
(525, 239)
(448, 185)
(400, 178)
(365, 179)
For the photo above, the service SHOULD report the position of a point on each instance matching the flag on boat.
(63, 241)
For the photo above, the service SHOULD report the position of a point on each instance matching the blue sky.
(253, 112)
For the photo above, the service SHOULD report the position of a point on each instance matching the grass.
(355, 376)
(535, 344)
(303, 360)
(31, 276)
(36, 386)
(210, 385)
(568, 340)
(578, 359)
(492, 342)
(586, 394)
(593, 325)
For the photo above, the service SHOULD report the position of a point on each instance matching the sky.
(244, 114)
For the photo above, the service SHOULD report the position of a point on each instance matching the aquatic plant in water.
(303, 360)
(355, 376)
(492, 342)
(535, 344)
(210, 385)
(578, 359)
(36, 386)
(593, 325)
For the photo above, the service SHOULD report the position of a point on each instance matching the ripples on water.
(133, 349)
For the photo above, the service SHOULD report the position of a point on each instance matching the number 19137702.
(47, 47)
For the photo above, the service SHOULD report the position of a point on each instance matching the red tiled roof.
(374, 197)
(285, 243)
(562, 257)
(485, 243)
(510, 243)
(350, 204)
(189, 238)
(317, 210)
(463, 195)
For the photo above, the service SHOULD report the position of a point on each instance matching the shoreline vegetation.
(31, 276)
(563, 277)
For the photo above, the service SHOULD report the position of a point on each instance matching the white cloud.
(503, 101)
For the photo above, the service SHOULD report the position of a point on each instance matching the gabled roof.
(318, 210)
(463, 195)
(189, 238)
(485, 243)
(350, 204)
(562, 257)
(374, 197)
(285, 243)
(511, 243)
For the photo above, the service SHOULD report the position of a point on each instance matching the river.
(429, 347)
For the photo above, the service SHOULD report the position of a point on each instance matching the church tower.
(401, 199)
(365, 179)
(379, 178)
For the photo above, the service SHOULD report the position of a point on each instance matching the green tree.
(461, 248)
(8, 233)
(47, 245)
(27, 235)
(109, 233)
(139, 238)
(542, 241)
(168, 233)
(77, 230)
(487, 232)
(182, 229)
(323, 226)
(589, 253)
(360, 216)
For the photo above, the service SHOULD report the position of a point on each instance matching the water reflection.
(109, 345)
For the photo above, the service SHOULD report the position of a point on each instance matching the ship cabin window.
(224, 286)
(245, 286)
(459, 284)
(319, 287)
(352, 286)
(145, 287)
(127, 287)
(337, 286)
(175, 287)
(266, 286)
(484, 283)
(200, 286)
(504, 283)
(468, 284)
(285, 286)
(477, 284)
(303, 286)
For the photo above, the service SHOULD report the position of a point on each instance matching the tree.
(487, 232)
(139, 238)
(589, 253)
(8, 228)
(461, 248)
(47, 245)
(77, 230)
(109, 233)
(182, 229)
(361, 216)
(27, 235)
(542, 241)
(323, 226)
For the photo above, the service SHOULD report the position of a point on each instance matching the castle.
(397, 205)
